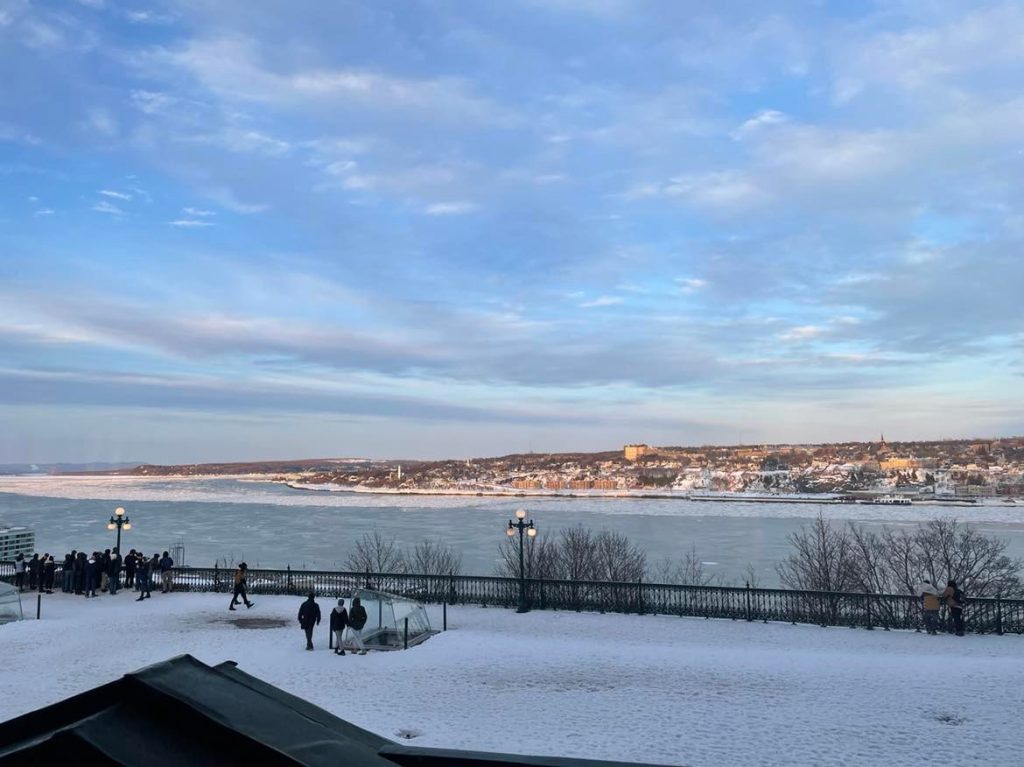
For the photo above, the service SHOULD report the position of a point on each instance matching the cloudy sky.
(237, 230)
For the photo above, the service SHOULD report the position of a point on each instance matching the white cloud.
(691, 284)
(44, 212)
(190, 223)
(115, 195)
(766, 117)
(226, 198)
(801, 333)
(449, 208)
(601, 301)
(197, 212)
(105, 207)
(102, 122)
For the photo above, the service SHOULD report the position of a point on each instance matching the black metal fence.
(823, 608)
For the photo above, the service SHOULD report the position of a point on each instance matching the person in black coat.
(34, 568)
(142, 576)
(68, 573)
(309, 616)
(114, 572)
(356, 621)
(92, 574)
(81, 565)
(129, 570)
(49, 568)
(339, 620)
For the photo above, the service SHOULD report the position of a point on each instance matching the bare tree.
(618, 560)
(540, 558)
(822, 560)
(894, 561)
(429, 558)
(979, 564)
(688, 571)
(375, 554)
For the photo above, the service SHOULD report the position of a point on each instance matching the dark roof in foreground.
(183, 712)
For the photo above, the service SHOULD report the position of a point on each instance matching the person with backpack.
(309, 617)
(240, 576)
(356, 621)
(339, 620)
(930, 605)
(954, 599)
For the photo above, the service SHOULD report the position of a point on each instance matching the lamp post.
(521, 524)
(118, 521)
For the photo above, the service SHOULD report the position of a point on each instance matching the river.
(271, 525)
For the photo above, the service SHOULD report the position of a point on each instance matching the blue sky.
(235, 230)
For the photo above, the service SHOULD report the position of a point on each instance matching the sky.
(241, 231)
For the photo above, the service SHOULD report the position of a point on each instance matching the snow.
(635, 688)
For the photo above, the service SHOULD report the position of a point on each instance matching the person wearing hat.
(339, 620)
(240, 575)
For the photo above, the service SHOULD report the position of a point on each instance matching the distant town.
(952, 470)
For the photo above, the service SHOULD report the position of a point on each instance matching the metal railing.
(823, 608)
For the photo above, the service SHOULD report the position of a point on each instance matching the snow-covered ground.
(652, 688)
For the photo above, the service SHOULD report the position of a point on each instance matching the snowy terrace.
(643, 688)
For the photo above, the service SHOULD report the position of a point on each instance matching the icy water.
(272, 525)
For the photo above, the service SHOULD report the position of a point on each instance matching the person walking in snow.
(954, 599)
(356, 621)
(19, 571)
(166, 573)
(309, 617)
(240, 576)
(142, 577)
(339, 620)
(930, 605)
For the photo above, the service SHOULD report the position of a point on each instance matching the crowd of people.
(342, 621)
(85, 574)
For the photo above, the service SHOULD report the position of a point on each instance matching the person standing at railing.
(309, 617)
(356, 621)
(49, 570)
(954, 599)
(930, 605)
(67, 573)
(130, 563)
(19, 571)
(339, 620)
(34, 567)
(114, 571)
(80, 568)
(166, 573)
(142, 576)
(104, 563)
(92, 574)
(240, 576)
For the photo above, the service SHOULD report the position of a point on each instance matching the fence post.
(640, 596)
(868, 598)
(39, 605)
(368, 586)
(290, 579)
(405, 639)
(216, 577)
(541, 580)
(747, 596)
(999, 614)
(444, 613)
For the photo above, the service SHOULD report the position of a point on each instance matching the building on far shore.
(14, 539)
(634, 452)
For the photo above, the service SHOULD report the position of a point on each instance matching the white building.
(14, 539)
